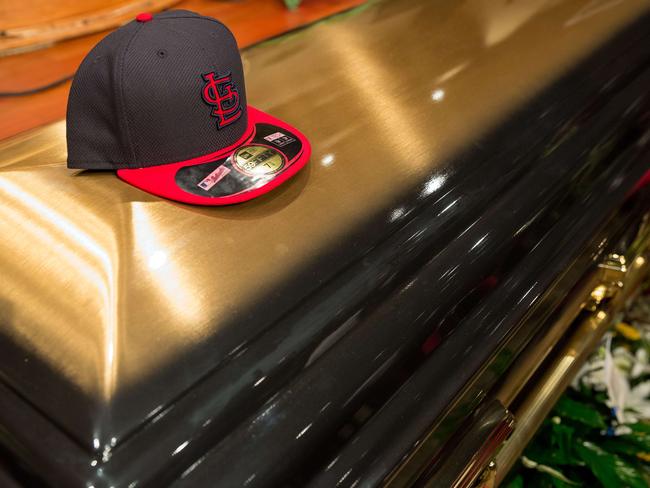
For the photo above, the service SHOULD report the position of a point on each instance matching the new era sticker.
(214, 177)
(279, 139)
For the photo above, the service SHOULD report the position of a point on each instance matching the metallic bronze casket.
(470, 221)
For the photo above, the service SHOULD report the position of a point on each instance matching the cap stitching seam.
(130, 143)
(209, 20)
(203, 50)
(185, 36)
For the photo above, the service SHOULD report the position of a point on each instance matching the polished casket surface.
(114, 303)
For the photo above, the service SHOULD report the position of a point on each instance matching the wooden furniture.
(35, 24)
(251, 21)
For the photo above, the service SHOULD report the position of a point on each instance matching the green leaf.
(610, 469)
(580, 412)
(537, 480)
(553, 446)
(642, 442)
(562, 441)
(558, 483)
(639, 437)
(516, 482)
(292, 4)
(640, 427)
(617, 445)
(541, 454)
(601, 398)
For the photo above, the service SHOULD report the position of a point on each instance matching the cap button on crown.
(144, 17)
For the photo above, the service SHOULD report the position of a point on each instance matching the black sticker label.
(279, 139)
(250, 166)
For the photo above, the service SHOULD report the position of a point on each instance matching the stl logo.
(221, 93)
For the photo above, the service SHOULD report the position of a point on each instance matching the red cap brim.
(219, 178)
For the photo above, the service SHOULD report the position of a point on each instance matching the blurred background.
(42, 42)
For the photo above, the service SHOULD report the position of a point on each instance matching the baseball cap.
(162, 102)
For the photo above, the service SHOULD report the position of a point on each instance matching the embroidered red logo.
(221, 93)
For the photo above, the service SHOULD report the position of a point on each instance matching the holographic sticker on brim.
(250, 167)
(270, 153)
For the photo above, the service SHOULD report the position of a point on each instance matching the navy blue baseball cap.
(162, 102)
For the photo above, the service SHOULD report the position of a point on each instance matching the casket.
(472, 217)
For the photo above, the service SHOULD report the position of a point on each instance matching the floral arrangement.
(598, 434)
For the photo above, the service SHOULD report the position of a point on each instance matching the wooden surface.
(26, 31)
(251, 21)
(21, 13)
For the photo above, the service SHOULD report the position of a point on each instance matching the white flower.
(622, 430)
(611, 371)
(641, 365)
(618, 388)
(638, 404)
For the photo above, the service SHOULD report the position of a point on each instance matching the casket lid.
(114, 303)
